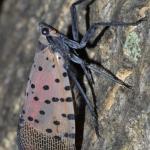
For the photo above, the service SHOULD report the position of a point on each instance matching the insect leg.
(99, 70)
(83, 94)
(93, 28)
(74, 18)
(105, 72)
(91, 109)
(91, 31)
(87, 73)
(75, 31)
(79, 61)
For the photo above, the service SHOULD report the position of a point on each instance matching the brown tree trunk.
(123, 114)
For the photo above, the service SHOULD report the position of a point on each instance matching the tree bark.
(124, 120)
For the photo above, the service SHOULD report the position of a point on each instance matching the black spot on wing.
(69, 99)
(65, 74)
(64, 115)
(23, 111)
(71, 117)
(55, 99)
(47, 101)
(67, 88)
(66, 135)
(36, 98)
(68, 116)
(69, 135)
(57, 138)
(32, 86)
(40, 68)
(49, 130)
(46, 87)
(62, 99)
(72, 135)
(42, 112)
(36, 121)
(53, 66)
(57, 80)
(56, 122)
(30, 118)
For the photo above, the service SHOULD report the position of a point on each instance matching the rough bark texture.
(124, 115)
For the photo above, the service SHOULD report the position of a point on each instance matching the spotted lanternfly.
(47, 120)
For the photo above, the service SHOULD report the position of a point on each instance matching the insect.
(47, 120)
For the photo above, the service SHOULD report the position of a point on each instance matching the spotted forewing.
(48, 114)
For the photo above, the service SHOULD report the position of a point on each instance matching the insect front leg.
(75, 30)
(91, 31)
(89, 34)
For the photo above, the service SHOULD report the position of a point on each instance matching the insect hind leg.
(98, 70)
(108, 74)
(90, 107)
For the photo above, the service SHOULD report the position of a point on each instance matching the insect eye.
(45, 31)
